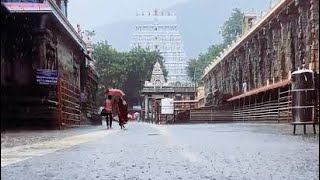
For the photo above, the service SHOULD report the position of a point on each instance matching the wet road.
(145, 151)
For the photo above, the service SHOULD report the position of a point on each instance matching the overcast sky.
(112, 19)
(94, 13)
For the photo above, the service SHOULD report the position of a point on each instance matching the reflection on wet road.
(145, 151)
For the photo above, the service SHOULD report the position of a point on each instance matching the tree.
(232, 27)
(125, 70)
(229, 31)
(196, 66)
(89, 33)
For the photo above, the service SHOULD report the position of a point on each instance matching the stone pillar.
(42, 52)
(302, 28)
(292, 14)
(234, 78)
(262, 58)
(248, 65)
(214, 81)
(314, 21)
(220, 77)
(245, 63)
(205, 85)
(223, 74)
(276, 38)
(269, 55)
(240, 60)
(256, 59)
(146, 107)
(238, 72)
(250, 61)
(4, 61)
(283, 20)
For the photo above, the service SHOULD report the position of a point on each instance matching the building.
(43, 62)
(89, 81)
(158, 88)
(253, 74)
(158, 31)
(200, 96)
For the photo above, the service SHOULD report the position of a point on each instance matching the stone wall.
(68, 62)
(30, 42)
(277, 45)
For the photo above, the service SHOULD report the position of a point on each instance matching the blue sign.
(47, 76)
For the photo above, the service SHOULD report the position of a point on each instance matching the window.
(178, 97)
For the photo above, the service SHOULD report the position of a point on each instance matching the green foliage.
(196, 66)
(229, 31)
(232, 27)
(89, 33)
(125, 70)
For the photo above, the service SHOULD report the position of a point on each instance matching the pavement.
(144, 151)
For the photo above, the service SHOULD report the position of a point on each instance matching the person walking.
(122, 112)
(108, 106)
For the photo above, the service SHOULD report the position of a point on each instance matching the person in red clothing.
(108, 106)
(122, 112)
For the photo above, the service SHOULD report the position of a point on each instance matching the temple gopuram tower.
(158, 31)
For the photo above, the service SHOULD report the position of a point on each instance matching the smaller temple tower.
(155, 89)
(248, 20)
(158, 88)
(157, 78)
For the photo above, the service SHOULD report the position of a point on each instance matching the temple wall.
(68, 62)
(281, 44)
(30, 42)
(17, 52)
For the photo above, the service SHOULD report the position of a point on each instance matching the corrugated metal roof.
(262, 89)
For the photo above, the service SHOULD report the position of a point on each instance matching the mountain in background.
(199, 23)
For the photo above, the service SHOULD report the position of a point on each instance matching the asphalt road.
(160, 152)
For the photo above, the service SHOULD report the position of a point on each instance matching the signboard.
(167, 106)
(47, 76)
(137, 108)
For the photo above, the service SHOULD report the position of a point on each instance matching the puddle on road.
(154, 134)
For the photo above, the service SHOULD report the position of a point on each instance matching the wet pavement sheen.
(160, 152)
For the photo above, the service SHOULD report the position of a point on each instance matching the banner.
(167, 106)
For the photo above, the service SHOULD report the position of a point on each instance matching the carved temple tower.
(157, 77)
(158, 31)
(249, 19)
